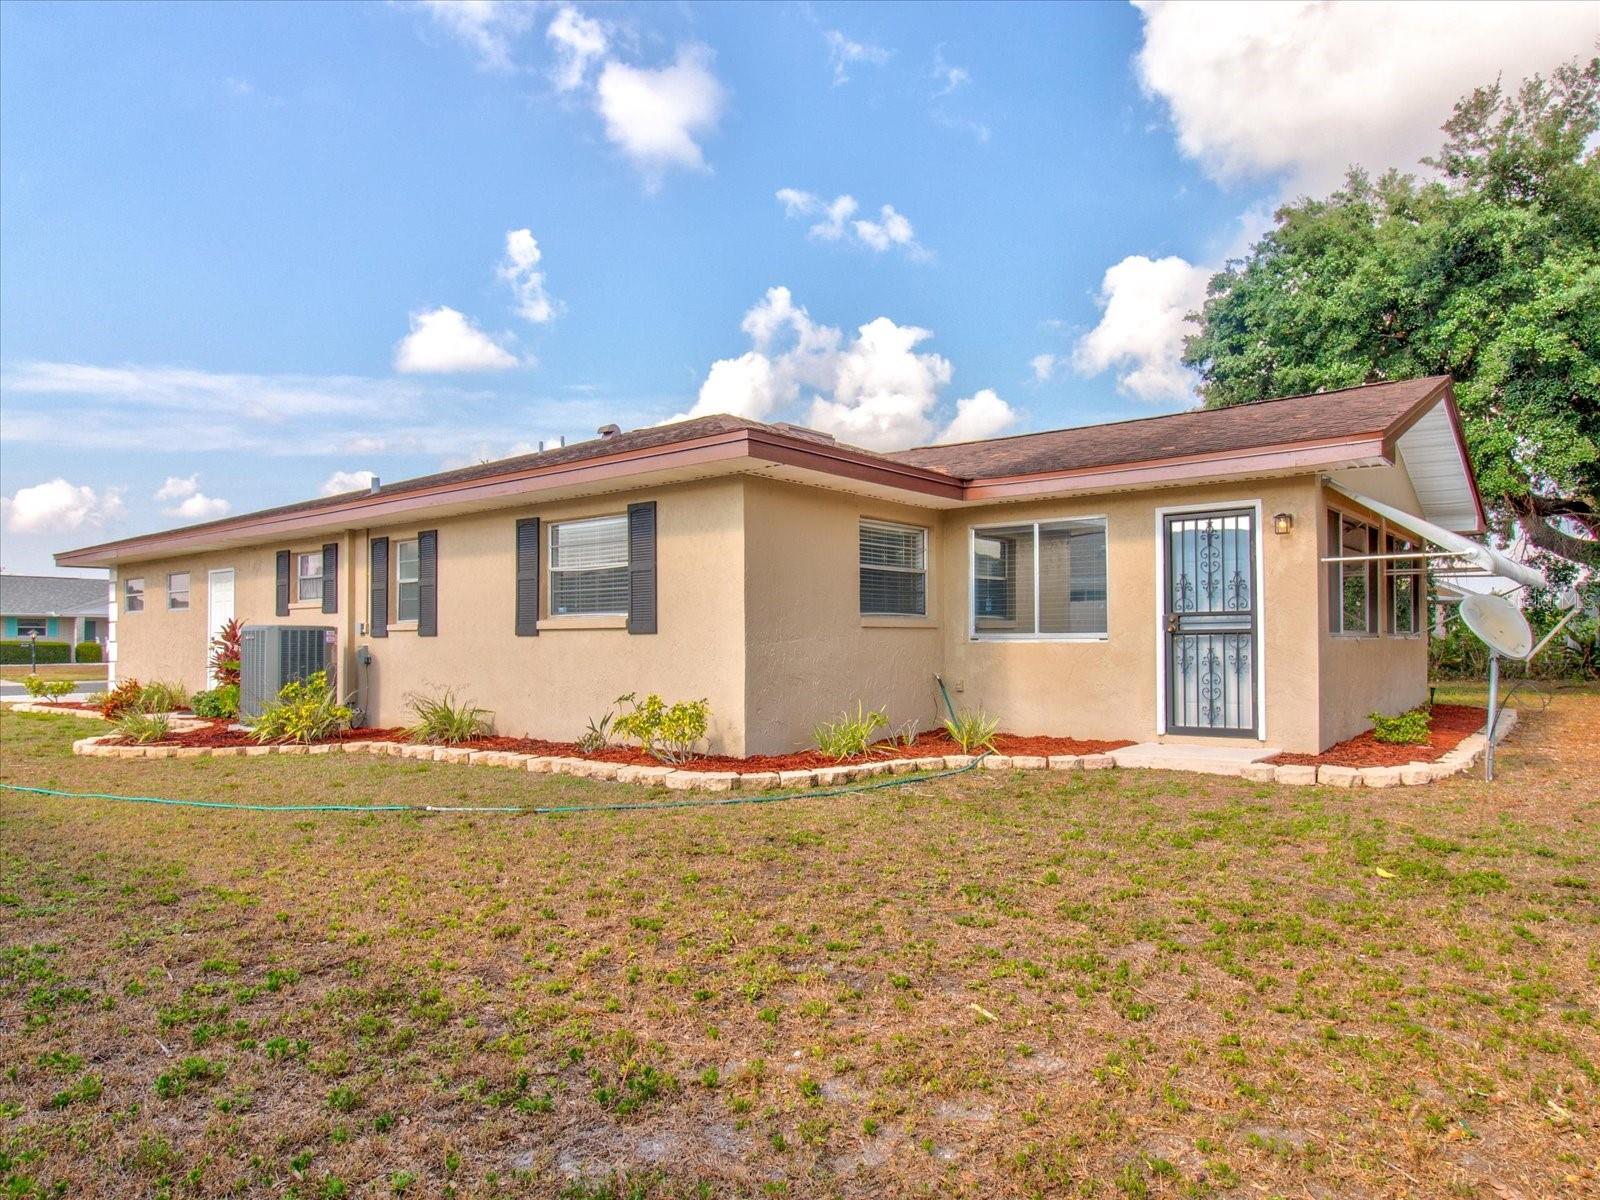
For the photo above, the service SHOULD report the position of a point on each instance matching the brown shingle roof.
(1326, 415)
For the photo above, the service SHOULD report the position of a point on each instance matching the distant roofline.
(735, 441)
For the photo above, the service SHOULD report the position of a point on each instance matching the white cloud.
(878, 390)
(1144, 303)
(579, 42)
(442, 340)
(520, 270)
(844, 53)
(347, 481)
(979, 416)
(59, 507)
(1302, 90)
(949, 76)
(177, 488)
(655, 116)
(1043, 367)
(487, 27)
(890, 231)
(191, 503)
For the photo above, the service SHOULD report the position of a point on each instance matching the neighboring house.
(54, 608)
(1163, 578)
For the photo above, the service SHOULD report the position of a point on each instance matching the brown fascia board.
(728, 449)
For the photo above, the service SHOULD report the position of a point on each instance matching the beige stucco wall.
(810, 653)
(1108, 688)
(1368, 673)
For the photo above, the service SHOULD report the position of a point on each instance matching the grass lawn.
(1103, 984)
(15, 671)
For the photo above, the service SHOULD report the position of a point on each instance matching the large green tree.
(1488, 268)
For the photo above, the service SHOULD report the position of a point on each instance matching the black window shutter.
(379, 622)
(528, 577)
(283, 583)
(428, 583)
(330, 577)
(642, 567)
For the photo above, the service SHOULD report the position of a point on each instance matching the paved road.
(10, 689)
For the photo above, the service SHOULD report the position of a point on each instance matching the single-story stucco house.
(1233, 574)
(61, 609)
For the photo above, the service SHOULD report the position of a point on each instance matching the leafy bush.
(120, 699)
(225, 652)
(668, 732)
(1407, 729)
(849, 735)
(14, 652)
(306, 710)
(972, 730)
(221, 703)
(598, 735)
(444, 720)
(142, 727)
(160, 697)
(88, 652)
(41, 688)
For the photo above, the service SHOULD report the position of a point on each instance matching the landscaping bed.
(1451, 725)
(222, 734)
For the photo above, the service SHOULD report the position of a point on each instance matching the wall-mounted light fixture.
(1283, 523)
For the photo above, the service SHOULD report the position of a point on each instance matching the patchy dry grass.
(1112, 984)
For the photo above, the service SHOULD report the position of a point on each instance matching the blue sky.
(249, 251)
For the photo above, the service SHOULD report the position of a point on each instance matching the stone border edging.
(1411, 775)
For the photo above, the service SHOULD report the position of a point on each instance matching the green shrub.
(443, 719)
(849, 735)
(41, 688)
(142, 727)
(306, 710)
(220, 703)
(161, 697)
(88, 652)
(972, 730)
(668, 732)
(1407, 729)
(15, 651)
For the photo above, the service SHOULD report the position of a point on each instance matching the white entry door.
(219, 609)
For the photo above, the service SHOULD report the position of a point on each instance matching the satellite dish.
(1498, 623)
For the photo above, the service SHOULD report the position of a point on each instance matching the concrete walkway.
(1206, 760)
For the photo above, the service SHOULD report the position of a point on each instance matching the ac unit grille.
(273, 655)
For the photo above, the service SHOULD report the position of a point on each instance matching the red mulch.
(1451, 723)
(217, 734)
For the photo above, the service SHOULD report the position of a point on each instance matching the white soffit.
(1437, 464)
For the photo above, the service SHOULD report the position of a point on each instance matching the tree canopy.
(1487, 269)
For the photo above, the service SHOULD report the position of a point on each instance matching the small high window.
(133, 595)
(1405, 589)
(308, 575)
(1352, 586)
(894, 570)
(406, 604)
(589, 567)
(178, 590)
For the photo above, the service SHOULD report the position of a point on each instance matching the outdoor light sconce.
(1283, 523)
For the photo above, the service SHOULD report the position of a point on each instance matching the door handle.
(1172, 622)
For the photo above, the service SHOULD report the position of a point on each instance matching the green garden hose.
(532, 810)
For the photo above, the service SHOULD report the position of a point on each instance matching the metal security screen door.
(1210, 621)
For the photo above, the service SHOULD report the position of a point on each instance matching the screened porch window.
(1352, 586)
(1044, 579)
(1405, 589)
(589, 567)
(894, 570)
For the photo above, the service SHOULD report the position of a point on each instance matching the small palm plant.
(972, 730)
(445, 720)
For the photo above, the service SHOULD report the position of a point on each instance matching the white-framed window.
(1352, 586)
(589, 567)
(33, 627)
(894, 570)
(178, 590)
(133, 595)
(1405, 588)
(405, 580)
(1040, 580)
(308, 576)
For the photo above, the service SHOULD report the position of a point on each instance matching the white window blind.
(589, 567)
(1044, 579)
(405, 580)
(310, 576)
(894, 569)
(133, 595)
